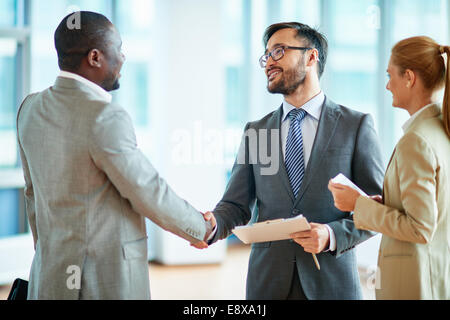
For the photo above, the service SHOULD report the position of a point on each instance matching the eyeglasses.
(277, 54)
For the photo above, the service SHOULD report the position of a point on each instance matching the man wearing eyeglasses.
(318, 139)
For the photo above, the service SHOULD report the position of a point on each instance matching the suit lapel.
(327, 125)
(275, 123)
(387, 169)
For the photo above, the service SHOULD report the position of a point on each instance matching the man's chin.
(282, 87)
(116, 86)
(273, 87)
(273, 91)
(113, 87)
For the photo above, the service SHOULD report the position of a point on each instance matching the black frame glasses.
(277, 54)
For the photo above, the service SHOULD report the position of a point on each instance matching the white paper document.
(340, 178)
(271, 230)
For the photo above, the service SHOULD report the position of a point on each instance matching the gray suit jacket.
(88, 189)
(345, 142)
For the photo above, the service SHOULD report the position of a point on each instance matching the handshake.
(210, 230)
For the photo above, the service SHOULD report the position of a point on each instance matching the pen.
(316, 261)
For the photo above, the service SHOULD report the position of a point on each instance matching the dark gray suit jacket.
(345, 142)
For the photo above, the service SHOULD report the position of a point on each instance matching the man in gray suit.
(317, 140)
(88, 186)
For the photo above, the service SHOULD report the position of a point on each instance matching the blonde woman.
(413, 214)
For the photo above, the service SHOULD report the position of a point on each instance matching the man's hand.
(209, 216)
(315, 240)
(200, 245)
(210, 225)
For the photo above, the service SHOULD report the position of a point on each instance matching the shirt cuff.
(212, 234)
(332, 246)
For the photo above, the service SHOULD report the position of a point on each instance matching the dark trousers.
(296, 291)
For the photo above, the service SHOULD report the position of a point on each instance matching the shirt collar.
(102, 92)
(409, 122)
(313, 107)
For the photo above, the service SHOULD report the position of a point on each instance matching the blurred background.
(191, 82)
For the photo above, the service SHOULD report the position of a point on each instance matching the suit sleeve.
(234, 209)
(30, 206)
(367, 173)
(114, 150)
(417, 221)
(29, 196)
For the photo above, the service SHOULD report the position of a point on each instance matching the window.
(14, 85)
(8, 94)
(236, 69)
(413, 18)
(361, 35)
(10, 13)
(9, 222)
(135, 26)
(351, 70)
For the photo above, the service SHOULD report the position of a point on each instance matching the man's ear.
(95, 58)
(313, 57)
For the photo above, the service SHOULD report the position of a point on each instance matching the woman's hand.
(344, 197)
(377, 198)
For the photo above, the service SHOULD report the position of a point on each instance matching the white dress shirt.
(309, 124)
(309, 129)
(408, 123)
(102, 92)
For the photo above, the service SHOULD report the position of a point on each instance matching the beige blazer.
(88, 189)
(414, 256)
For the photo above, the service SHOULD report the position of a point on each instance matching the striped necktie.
(294, 161)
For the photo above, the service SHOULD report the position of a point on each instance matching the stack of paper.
(271, 230)
(341, 179)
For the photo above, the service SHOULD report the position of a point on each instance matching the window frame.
(12, 178)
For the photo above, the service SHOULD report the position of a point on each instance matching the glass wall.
(9, 13)
(235, 65)
(412, 18)
(135, 23)
(352, 66)
(14, 84)
(8, 98)
(361, 35)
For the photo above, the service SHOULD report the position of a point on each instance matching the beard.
(115, 85)
(111, 83)
(289, 81)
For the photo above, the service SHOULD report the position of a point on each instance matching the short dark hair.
(77, 34)
(313, 37)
